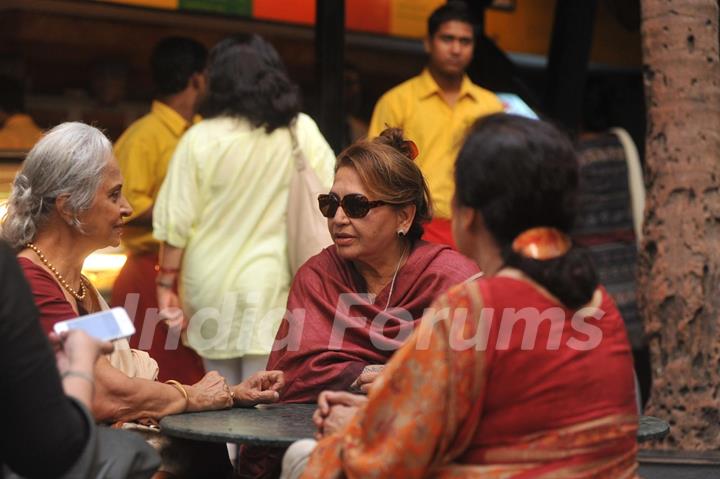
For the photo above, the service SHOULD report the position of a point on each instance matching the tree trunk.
(680, 260)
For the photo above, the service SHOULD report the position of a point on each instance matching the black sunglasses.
(354, 205)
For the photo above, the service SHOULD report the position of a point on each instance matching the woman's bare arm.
(121, 398)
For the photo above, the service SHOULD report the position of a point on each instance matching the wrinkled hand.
(337, 419)
(170, 310)
(77, 351)
(364, 381)
(263, 387)
(210, 393)
(334, 411)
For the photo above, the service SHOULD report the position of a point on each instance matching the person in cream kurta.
(224, 201)
(221, 212)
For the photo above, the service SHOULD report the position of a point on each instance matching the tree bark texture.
(680, 259)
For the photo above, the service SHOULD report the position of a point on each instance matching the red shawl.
(314, 357)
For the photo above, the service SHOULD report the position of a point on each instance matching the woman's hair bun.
(21, 183)
(22, 198)
(394, 137)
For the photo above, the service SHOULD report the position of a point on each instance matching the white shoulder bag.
(307, 229)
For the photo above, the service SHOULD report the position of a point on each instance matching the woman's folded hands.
(334, 411)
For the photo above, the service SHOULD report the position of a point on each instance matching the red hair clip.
(412, 149)
(542, 243)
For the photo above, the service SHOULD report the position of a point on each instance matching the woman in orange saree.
(526, 373)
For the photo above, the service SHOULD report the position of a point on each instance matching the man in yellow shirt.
(144, 151)
(17, 130)
(436, 107)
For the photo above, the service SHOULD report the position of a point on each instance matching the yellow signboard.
(408, 18)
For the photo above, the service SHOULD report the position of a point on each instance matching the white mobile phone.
(105, 325)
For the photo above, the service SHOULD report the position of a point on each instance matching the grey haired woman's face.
(104, 220)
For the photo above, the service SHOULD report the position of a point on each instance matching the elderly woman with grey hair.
(67, 202)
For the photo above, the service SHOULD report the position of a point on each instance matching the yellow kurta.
(224, 201)
(144, 151)
(418, 108)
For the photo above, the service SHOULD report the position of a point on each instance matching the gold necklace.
(78, 295)
(392, 283)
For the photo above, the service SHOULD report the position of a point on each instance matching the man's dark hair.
(247, 79)
(12, 96)
(174, 60)
(453, 10)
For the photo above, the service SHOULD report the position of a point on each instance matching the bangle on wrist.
(80, 375)
(167, 283)
(166, 269)
(181, 388)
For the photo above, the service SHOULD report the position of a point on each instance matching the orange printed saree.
(499, 381)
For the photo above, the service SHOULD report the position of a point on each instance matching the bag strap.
(296, 151)
(636, 184)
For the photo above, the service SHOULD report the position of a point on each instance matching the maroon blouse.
(49, 297)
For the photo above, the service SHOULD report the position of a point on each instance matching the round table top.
(283, 424)
(267, 425)
(651, 428)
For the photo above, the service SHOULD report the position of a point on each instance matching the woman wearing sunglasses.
(468, 396)
(362, 296)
